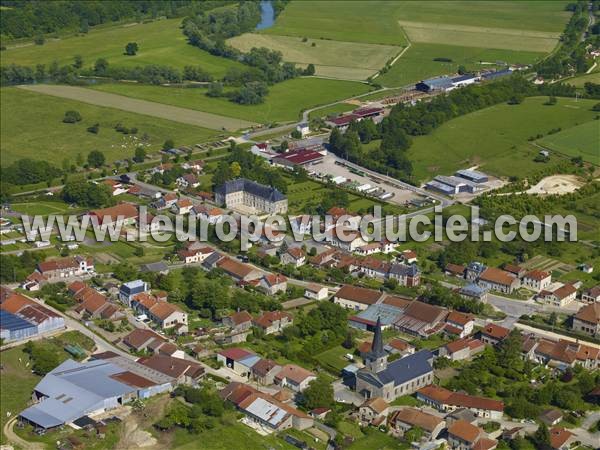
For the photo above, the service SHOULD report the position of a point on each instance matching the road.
(13, 438)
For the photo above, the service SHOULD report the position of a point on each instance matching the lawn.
(161, 42)
(375, 439)
(334, 359)
(226, 438)
(31, 127)
(336, 59)
(41, 208)
(582, 140)
(418, 63)
(16, 384)
(284, 102)
(593, 77)
(495, 138)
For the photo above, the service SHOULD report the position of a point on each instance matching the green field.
(336, 59)
(41, 208)
(582, 140)
(284, 102)
(495, 138)
(593, 77)
(31, 127)
(161, 42)
(417, 63)
(489, 31)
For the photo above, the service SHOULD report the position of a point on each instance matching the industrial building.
(472, 175)
(453, 185)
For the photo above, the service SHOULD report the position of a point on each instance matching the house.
(115, 187)
(183, 371)
(515, 270)
(192, 255)
(409, 256)
(140, 338)
(264, 371)
(167, 315)
(587, 319)
(239, 321)
(405, 275)
(237, 360)
(455, 270)
(130, 289)
(398, 346)
(263, 409)
(237, 270)
(460, 324)
(465, 436)
(294, 256)
(182, 206)
(447, 401)
(591, 295)
(273, 321)
(211, 215)
(273, 283)
(462, 349)
(391, 380)
(147, 224)
(498, 280)
(166, 201)
(559, 297)
(316, 291)
(161, 168)
(561, 438)
(319, 413)
(536, 280)
(249, 194)
(373, 411)
(586, 268)
(551, 417)
(356, 298)
(421, 319)
(122, 214)
(344, 238)
(493, 334)
(187, 181)
(294, 377)
(55, 269)
(403, 420)
(560, 354)
(474, 292)
(303, 128)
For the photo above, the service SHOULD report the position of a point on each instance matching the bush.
(94, 128)
(72, 117)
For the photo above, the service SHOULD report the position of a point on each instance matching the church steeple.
(376, 359)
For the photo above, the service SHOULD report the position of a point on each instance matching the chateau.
(249, 194)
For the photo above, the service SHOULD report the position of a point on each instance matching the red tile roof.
(589, 313)
(235, 353)
(495, 331)
(559, 436)
(497, 276)
(358, 294)
(464, 431)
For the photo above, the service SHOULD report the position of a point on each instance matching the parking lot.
(329, 167)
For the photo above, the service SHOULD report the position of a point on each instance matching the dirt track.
(168, 112)
(556, 184)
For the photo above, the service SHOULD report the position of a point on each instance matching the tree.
(94, 129)
(462, 70)
(101, 67)
(131, 48)
(140, 154)
(215, 89)
(78, 61)
(296, 134)
(168, 144)
(39, 39)
(96, 158)
(235, 169)
(413, 435)
(542, 437)
(318, 394)
(72, 117)
(310, 70)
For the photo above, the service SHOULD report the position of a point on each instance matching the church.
(391, 380)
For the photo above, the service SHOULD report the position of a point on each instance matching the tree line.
(22, 19)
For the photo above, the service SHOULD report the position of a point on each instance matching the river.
(267, 15)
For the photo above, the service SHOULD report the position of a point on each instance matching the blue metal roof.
(387, 313)
(12, 322)
(438, 82)
(464, 77)
(440, 187)
(401, 370)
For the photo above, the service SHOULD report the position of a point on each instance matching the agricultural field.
(161, 42)
(495, 138)
(41, 208)
(582, 140)
(284, 102)
(593, 77)
(419, 61)
(336, 59)
(201, 119)
(489, 32)
(31, 127)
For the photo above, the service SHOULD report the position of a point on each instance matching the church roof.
(400, 371)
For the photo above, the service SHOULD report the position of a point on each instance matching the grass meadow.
(593, 77)
(582, 140)
(31, 127)
(284, 102)
(350, 60)
(418, 62)
(161, 42)
(496, 138)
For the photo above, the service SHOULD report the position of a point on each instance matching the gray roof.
(439, 186)
(252, 187)
(73, 390)
(12, 322)
(438, 82)
(159, 266)
(472, 290)
(387, 313)
(409, 270)
(212, 259)
(400, 371)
